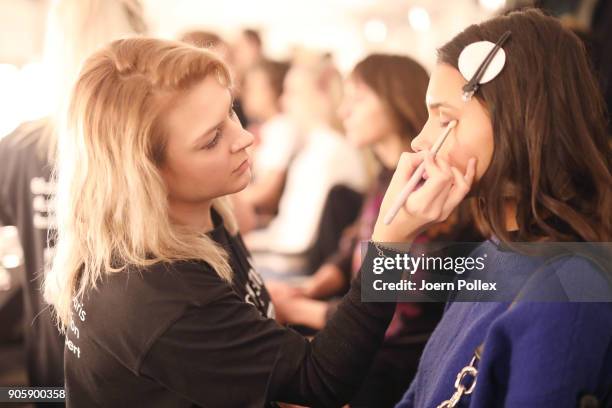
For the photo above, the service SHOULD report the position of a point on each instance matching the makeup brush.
(416, 177)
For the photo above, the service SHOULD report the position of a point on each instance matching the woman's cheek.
(459, 158)
(461, 151)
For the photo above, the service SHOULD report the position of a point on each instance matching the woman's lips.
(243, 166)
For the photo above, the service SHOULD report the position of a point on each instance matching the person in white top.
(325, 159)
(276, 139)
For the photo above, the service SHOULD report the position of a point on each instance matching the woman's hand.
(302, 311)
(434, 199)
(281, 290)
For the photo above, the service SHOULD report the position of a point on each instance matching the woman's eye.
(213, 143)
(444, 120)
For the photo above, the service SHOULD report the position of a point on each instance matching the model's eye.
(444, 120)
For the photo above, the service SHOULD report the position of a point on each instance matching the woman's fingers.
(409, 162)
(462, 183)
(440, 189)
(425, 201)
(406, 166)
(444, 188)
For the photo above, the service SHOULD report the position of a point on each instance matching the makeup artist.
(151, 282)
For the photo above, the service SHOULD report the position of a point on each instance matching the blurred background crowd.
(332, 90)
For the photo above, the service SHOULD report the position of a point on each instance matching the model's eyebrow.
(440, 104)
(207, 132)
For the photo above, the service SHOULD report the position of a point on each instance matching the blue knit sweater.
(535, 354)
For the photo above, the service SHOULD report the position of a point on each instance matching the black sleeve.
(225, 353)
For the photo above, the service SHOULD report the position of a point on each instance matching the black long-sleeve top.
(177, 335)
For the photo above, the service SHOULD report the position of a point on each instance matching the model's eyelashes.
(444, 120)
(441, 116)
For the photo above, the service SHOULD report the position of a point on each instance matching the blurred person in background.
(275, 135)
(208, 40)
(215, 43)
(247, 50)
(324, 160)
(383, 109)
(75, 29)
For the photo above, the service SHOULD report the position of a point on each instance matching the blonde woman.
(75, 29)
(151, 281)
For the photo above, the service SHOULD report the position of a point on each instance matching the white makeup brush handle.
(416, 177)
(403, 195)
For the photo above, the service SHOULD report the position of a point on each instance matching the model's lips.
(243, 166)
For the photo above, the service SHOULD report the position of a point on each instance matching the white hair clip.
(480, 62)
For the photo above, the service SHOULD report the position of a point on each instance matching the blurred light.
(375, 31)
(5, 280)
(356, 3)
(11, 261)
(7, 70)
(418, 18)
(25, 95)
(9, 83)
(10, 248)
(35, 90)
(492, 5)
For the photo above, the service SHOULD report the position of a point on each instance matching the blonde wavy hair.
(112, 206)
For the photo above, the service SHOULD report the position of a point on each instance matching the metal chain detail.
(460, 389)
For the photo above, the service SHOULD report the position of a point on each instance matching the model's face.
(473, 135)
(364, 116)
(206, 153)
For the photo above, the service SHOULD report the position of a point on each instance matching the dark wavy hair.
(401, 84)
(552, 151)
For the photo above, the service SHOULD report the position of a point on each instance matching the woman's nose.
(420, 142)
(243, 139)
